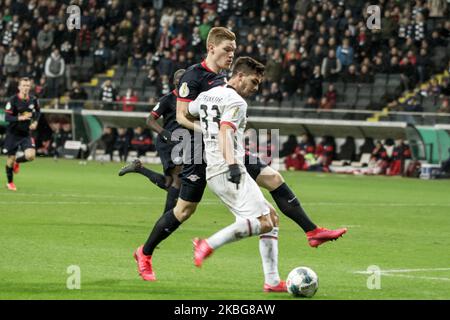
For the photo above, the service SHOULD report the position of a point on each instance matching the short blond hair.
(218, 34)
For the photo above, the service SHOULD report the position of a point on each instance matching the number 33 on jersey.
(220, 105)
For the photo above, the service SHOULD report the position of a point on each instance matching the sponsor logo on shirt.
(193, 177)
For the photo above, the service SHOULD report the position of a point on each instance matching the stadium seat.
(351, 94)
(362, 103)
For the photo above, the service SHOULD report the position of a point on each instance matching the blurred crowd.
(51, 140)
(381, 157)
(302, 42)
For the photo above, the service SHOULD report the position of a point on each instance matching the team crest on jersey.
(8, 106)
(193, 177)
(184, 90)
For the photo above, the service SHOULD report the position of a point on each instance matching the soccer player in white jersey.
(223, 116)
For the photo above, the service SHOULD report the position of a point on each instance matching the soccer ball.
(302, 282)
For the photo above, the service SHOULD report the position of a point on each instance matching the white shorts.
(245, 202)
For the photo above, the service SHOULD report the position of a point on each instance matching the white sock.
(268, 248)
(236, 231)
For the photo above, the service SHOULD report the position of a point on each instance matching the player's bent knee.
(266, 224)
(274, 218)
(277, 179)
(30, 154)
(183, 210)
(270, 179)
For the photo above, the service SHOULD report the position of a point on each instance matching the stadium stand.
(127, 51)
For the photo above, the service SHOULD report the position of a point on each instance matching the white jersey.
(215, 106)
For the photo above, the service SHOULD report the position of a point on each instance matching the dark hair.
(248, 65)
(24, 79)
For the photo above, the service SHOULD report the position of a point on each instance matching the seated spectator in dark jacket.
(351, 74)
(102, 56)
(275, 95)
(77, 93)
(331, 66)
(289, 146)
(152, 79)
(141, 142)
(107, 141)
(311, 103)
(379, 160)
(315, 84)
(290, 82)
(122, 143)
(365, 75)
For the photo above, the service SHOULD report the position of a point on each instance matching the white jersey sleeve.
(194, 109)
(234, 111)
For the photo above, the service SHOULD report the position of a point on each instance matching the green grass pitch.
(68, 214)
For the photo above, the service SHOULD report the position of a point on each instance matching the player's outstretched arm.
(165, 135)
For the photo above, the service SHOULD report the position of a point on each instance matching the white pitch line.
(346, 204)
(88, 203)
(404, 270)
(415, 277)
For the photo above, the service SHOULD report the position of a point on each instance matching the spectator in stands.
(331, 67)
(347, 150)
(289, 146)
(423, 66)
(345, 54)
(274, 67)
(107, 142)
(311, 103)
(445, 107)
(152, 79)
(331, 96)
(11, 63)
(179, 42)
(77, 94)
(367, 147)
(55, 67)
(56, 142)
(41, 88)
(379, 160)
(302, 154)
(129, 100)
(141, 142)
(325, 153)
(290, 82)
(83, 41)
(123, 51)
(108, 95)
(351, 75)
(122, 143)
(315, 84)
(165, 65)
(275, 95)
(365, 76)
(45, 39)
(101, 58)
